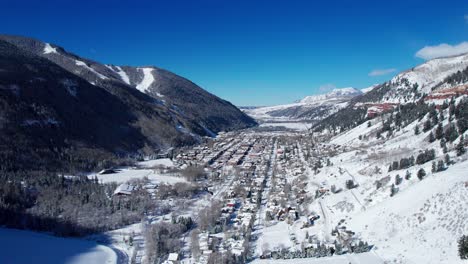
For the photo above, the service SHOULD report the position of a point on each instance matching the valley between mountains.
(119, 164)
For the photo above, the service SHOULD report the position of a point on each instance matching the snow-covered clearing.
(156, 162)
(126, 174)
(420, 224)
(49, 49)
(148, 79)
(25, 247)
(83, 64)
(123, 75)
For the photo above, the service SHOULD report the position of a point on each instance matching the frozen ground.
(25, 247)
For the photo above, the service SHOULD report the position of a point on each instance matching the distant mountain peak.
(335, 94)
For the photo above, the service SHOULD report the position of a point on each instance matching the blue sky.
(251, 52)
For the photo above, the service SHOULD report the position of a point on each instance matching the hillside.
(434, 81)
(396, 209)
(55, 100)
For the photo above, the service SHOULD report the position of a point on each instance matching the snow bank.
(25, 247)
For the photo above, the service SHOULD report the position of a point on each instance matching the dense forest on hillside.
(66, 206)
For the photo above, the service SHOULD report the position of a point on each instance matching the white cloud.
(327, 87)
(442, 50)
(380, 72)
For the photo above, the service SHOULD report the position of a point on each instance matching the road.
(260, 222)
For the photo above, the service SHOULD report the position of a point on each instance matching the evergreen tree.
(433, 116)
(434, 167)
(451, 110)
(398, 179)
(416, 130)
(443, 145)
(439, 132)
(447, 159)
(408, 175)
(427, 125)
(440, 165)
(393, 190)
(461, 146)
(462, 124)
(421, 174)
(463, 247)
(441, 114)
(431, 137)
(445, 105)
(451, 133)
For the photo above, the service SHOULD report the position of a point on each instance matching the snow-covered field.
(126, 174)
(156, 162)
(25, 247)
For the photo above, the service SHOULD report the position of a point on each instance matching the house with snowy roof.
(124, 189)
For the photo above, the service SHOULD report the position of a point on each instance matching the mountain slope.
(311, 108)
(46, 110)
(206, 112)
(60, 110)
(416, 213)
(431, 82)
(188, 99)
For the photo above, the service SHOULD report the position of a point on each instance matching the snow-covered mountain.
(401, 211)
(207, 111)
(334, 95)
(408, 86)
(427, 78)
(52, 98)
(434, 81)
(311, 108)
(403, 143)
(368, 89)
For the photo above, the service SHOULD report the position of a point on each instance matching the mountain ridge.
(310, 108)
(56, 102)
